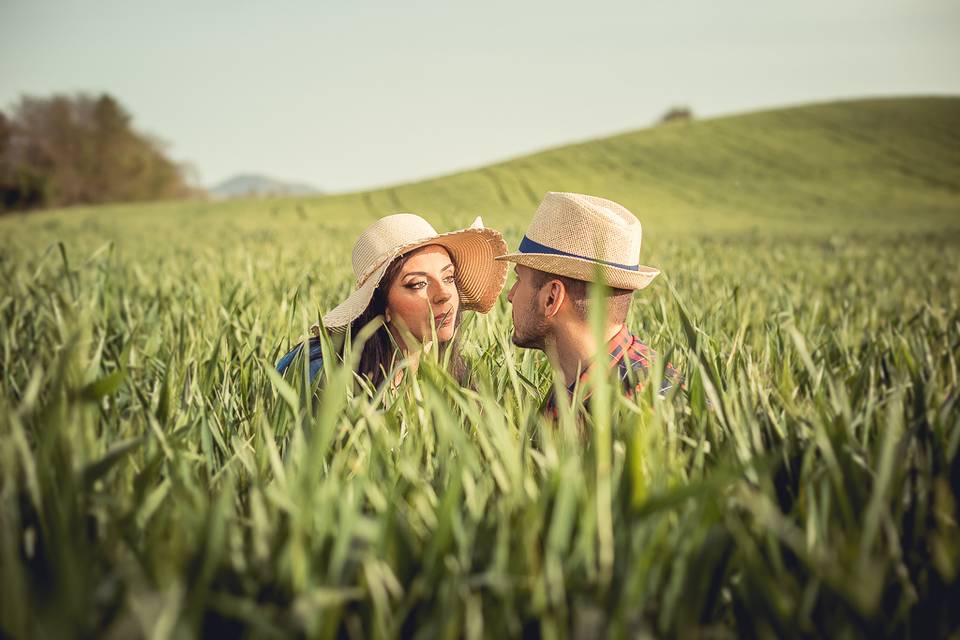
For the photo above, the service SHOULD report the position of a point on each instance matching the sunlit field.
(158, 478)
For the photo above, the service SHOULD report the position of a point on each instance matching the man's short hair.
(618, 300)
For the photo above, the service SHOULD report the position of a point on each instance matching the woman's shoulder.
(314, 353)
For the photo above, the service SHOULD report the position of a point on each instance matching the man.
(572, 240)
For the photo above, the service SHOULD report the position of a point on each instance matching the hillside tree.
(80, 149)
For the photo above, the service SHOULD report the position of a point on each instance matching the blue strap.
(532, 246)
(316, 358)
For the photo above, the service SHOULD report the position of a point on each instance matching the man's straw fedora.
(583, 237)
(480, 278)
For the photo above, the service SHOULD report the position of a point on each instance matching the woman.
(416, 283)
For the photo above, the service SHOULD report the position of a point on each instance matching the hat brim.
(587, 270)
(480, 277)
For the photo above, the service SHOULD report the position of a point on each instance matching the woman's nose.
(443, 292)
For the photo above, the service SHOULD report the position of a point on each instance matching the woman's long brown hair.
(378, 354)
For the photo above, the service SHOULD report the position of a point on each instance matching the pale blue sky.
(356, 94)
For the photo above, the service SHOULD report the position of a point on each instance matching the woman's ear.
(386, 315)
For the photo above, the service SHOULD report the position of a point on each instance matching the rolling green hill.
(854, 165)
(860, 166)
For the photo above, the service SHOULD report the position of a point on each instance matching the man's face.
(530, 326)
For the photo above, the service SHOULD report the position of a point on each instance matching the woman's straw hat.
(582, 236)
(480, 278)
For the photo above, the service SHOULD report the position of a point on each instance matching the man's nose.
(510, 295)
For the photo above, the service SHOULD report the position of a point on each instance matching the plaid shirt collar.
(625, 352)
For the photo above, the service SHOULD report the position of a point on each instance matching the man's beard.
(534, 334)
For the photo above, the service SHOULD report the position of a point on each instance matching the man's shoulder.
(639, 352)
(639, 357)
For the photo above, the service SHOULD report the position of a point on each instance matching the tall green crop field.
(158, 479)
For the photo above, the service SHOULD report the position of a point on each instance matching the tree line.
(80, 149)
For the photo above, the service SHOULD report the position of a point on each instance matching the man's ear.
(554, 293)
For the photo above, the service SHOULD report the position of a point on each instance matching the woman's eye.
(416, 285)
(450, 279)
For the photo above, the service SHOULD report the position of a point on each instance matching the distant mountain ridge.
(255, 185)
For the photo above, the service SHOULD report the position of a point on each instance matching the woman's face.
(425, 289)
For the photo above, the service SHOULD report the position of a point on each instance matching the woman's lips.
(442, 319)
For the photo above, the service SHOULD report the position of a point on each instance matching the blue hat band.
(531, 246)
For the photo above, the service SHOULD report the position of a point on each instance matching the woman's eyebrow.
(424, 273)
